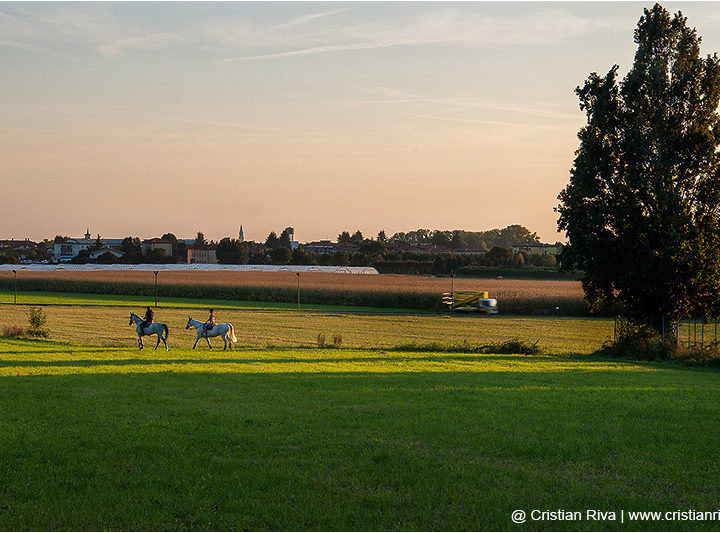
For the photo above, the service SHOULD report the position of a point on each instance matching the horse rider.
(210, 321)
(149, 315)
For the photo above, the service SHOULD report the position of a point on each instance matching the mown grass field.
(260, 328)
(97, 435)
(128, 300)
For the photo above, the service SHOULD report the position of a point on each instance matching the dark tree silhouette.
(641, 209)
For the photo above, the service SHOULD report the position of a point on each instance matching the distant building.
(537, 248)
(241, 235)
(22, 249)
(202, 254)
(401, 246)
(13, 244)
(469, 250)
(66, 251)
(105, 250)
(291, 233)
(320, 247)
(150, 245)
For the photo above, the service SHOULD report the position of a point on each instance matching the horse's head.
(131, 319)
(189, 323)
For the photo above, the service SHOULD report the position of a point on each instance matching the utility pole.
(156, 273)
(15, 300)
(298, 290)
(452, 292)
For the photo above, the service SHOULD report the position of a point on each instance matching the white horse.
(226, 331)
(156, 328)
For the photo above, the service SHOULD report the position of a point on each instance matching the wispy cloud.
(303, 19)
(38, 49)
(372, 45)
(152, 41)
(393, 96)
(6, 15)
(432, 27)
(73, 30)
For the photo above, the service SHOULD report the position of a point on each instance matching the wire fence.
(688, 331)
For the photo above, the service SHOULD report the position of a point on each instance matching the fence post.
(677, 330)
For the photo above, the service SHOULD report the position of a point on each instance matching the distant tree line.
(377, 252)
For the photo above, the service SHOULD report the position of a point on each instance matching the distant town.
(421, 251)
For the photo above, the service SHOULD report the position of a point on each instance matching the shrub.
(13, 331)
(518, 346)
(37, 321)
(337, 340)
(321, 340)
(513, 346)
(639, 341)
(698, 355)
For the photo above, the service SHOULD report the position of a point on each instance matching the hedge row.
(530, 272)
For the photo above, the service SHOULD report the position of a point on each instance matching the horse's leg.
(196, 341)
(208, 341)
(158, 341)
(140, 342)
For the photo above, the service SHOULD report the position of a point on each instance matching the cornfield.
(386, 290)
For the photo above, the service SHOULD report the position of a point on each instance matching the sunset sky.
(142, 118)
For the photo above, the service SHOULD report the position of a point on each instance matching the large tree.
(642, 206)
(232, 252)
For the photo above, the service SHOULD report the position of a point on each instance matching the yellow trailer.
(471, 301)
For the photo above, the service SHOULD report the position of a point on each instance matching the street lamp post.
(452, 292)
(156, 273)
(15, 290)
(298, 290)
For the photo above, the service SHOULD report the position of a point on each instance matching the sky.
(141, 118)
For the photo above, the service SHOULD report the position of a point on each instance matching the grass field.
(97, 435)
(259, 328)
(127, 300)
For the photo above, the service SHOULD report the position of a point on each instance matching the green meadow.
(129, 300)
(279, 434)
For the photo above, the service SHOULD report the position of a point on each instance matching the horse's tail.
(167, 331)
(232, 332)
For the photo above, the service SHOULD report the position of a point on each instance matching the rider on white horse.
(211, 329)
(150, 328)
(149, 316)
(210, 322)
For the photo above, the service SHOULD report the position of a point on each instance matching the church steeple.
(87, 234)
(241, 236)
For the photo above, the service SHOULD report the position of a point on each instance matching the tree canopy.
(642, 205)
(200, 239)
(232, 252)
(505, 238)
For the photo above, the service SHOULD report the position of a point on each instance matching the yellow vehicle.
(471, 301)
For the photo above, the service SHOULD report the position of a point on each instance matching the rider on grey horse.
(149, 315)
(210, 321)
